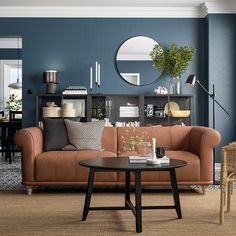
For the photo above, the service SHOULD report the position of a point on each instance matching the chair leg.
(222, 203)
(229, 196)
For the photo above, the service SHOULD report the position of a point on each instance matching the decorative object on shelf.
(182, 113)
(129, 111)
(190, 82)
(174, 61)
(68, 110)
(17, 84)
(134, 63)
(175, 85)
(51, 78)
(159, 112)
(51, 111)
(77, 104)
(161, 90)
(77, 90)
(171, 106)
(108, 108)
(148, 110)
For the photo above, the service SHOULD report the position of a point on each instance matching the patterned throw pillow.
(85, 136)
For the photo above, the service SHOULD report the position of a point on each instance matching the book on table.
(143, 159)
(137, 159)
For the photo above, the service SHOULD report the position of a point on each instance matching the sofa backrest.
(170, 137)
(109, 139)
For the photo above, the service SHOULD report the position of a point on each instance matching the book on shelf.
(75, 90)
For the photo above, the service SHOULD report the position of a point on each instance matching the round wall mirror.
(134, 63)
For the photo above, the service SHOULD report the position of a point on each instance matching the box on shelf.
(51, 111)
(129, 111)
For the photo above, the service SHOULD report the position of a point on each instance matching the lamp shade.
(51, 76)
(16, 85)
(191, 80)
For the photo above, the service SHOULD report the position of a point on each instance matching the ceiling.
(114, 8)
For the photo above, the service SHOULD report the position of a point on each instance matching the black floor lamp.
(190, 82)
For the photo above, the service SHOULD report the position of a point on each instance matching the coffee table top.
(122, 163)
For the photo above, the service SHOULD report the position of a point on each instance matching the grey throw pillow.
(85, 136)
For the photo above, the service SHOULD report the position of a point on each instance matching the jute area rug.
(59, 213)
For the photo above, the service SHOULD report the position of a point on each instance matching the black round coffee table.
(122, 164)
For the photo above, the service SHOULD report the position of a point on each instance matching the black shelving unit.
(102, 106)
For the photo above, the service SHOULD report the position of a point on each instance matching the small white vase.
(175, 85)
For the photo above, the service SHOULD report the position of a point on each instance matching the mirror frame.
(117, 69)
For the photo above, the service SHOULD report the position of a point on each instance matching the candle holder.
(153, 160)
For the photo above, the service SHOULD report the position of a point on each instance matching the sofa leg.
(29, 190)
(204, 189)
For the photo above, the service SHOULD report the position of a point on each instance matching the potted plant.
(174, 61)
(13, 103)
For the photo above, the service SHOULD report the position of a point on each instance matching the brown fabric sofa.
(193, 144)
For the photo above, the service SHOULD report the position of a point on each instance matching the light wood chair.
(228, 172)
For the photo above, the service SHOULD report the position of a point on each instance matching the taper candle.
(91, 77)
(99, 75)
(154, 148)
(96, 72)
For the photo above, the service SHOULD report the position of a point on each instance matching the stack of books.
(129, 111)
(137, 159)
(142, 159)
(75, 90)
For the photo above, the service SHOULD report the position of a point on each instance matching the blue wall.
(222, 73)
(72, 45)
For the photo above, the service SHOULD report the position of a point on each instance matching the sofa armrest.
(203, 140)
(30, 140)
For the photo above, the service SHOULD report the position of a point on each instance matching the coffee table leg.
(138, 206)
(175, 192)
(127, 188)
(88, 193)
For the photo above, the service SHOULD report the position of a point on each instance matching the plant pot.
(175, 85)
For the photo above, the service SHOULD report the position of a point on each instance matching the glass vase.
(175, 85)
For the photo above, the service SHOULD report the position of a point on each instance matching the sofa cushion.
(85, 136)
(63, 166)
(55, 134)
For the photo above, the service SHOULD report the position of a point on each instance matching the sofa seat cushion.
(191, 172)
(63, 166)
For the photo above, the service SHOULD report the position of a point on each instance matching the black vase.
(160, 152)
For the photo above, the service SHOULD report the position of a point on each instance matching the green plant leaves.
(174, 60)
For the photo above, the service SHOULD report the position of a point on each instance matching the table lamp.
(51, 78)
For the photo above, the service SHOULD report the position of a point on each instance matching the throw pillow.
(85, 136)
(55, 134)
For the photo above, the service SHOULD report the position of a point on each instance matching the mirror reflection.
(10, 74)
(134, 63)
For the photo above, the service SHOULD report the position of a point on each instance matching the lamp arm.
(221, 107)
(212, 96)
